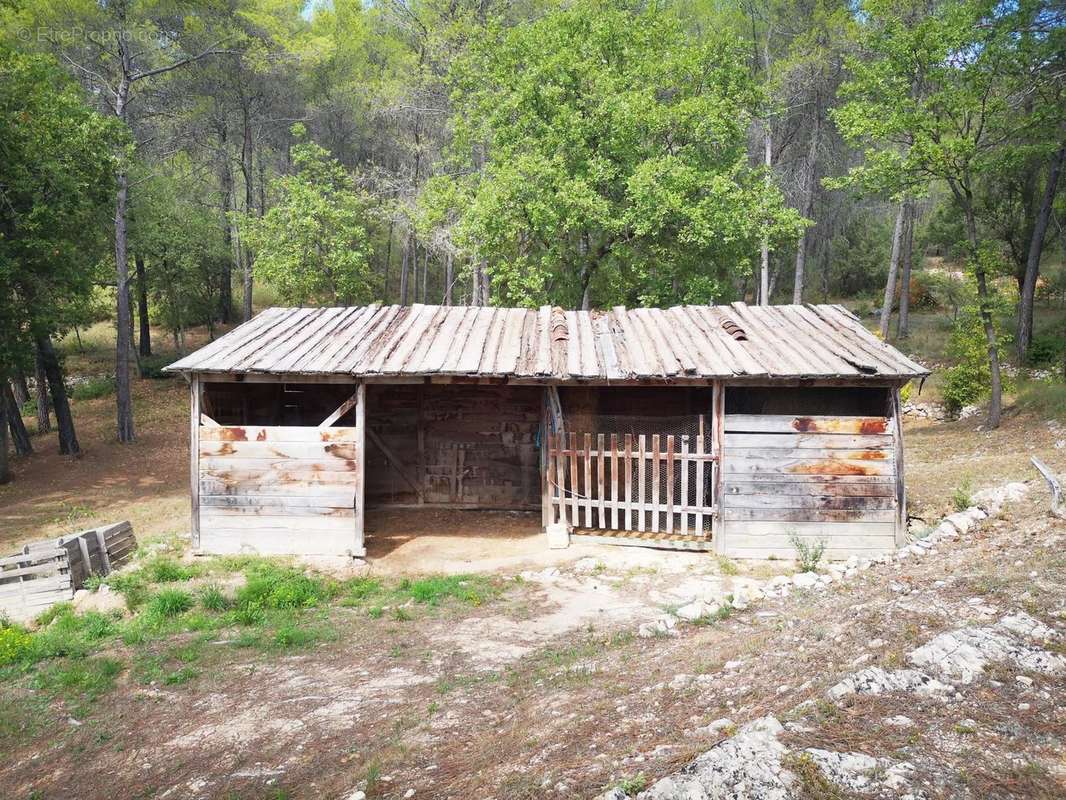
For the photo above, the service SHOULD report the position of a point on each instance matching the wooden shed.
(725, 428)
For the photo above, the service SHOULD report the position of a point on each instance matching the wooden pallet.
(48, 572)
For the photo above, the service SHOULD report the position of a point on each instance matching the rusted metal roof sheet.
(647, 344)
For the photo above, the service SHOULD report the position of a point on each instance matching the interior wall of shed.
(276, 404)
(456, 445)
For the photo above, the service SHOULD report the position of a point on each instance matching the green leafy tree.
(934, 100)
(313, 245)
(175, 232)
(606, 159)
(56, 180)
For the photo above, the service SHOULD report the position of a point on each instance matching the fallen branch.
(1057, 508)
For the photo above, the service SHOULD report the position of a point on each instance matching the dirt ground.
(547, 693)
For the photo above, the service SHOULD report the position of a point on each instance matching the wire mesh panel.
(649, 475)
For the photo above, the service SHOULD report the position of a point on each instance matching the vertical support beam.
(897, 464)
(359, 545)
(718, 527)
(195, 389)
(545, 443)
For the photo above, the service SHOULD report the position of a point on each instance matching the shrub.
(15, 644)
(970, 378)
(248, 613)
(152, 367)
(169, 603)
(962, 497)
(1046, 350)
(808, 553)
(93, 388)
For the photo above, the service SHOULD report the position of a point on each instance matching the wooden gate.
(650, 487)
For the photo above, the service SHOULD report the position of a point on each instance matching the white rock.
(358, 794)
(695, 610)
(874, 680)
(805, 580)
(899, 721)
(961, 655)
(716, 727)
(747, 764)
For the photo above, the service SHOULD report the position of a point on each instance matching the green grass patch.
(213, 599)
(1044, 398)
(166, 570)
(78, 680)
(169, 603)
(93, 388)
(272, 586)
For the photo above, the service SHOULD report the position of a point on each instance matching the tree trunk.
(388, 264)
(123, 343)
(145, 338)
(806, 209)
(893, 269)
(1036, 249)
(68, 441)
(906, 257)
(5, 470)
(225, 289)
(405, 261)
(20, 387)
(19, 435)
(425, 275)
(764, 254)
(449, 276)
(249, 205)
(44, 420)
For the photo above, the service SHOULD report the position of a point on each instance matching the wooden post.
(718, 528)
(576, 519)
(901, 490)
(684, 484)
(359, 545)
(545, 443)
(588, 480)
(194, 460)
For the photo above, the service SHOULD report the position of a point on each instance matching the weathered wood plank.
(856, 515)
(813, 498)
(263, 433)
(809, 440)
(810, 452)
(776, 423)
(641, 477)
(806, 466)
(297, 451)
(573, 480)
(629, 481)
(219, 518)
(655, 483)
(787, 485)
(276, 541)
(586, 454)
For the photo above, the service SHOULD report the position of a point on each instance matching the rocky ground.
(938, 673)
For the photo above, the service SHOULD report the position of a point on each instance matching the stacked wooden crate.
(49, 572)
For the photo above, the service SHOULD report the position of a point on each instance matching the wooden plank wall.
(819, 477)
(464, 446)
(274, 490)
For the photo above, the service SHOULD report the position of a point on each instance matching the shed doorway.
(473, 449)
(634, 465)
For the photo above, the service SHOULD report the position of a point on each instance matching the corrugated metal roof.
(794, 341)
